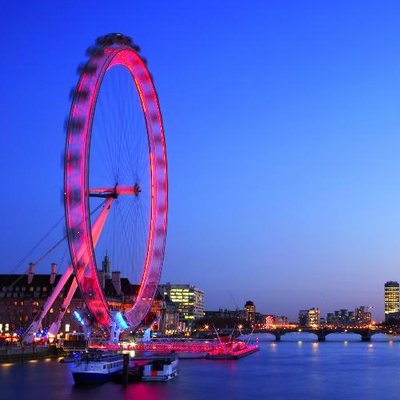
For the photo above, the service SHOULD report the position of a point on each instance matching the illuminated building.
(343, 318)
(269, 322)
(391, 299)
(309, 318)
(362, 315)
(188, 299)
(275, 320)
(250, 310)
(22, 297)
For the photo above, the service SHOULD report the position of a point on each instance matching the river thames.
(284, 370)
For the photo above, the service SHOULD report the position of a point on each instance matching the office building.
(22, 298)
(392, 291)
(188, 299)
(309, 318)
(250, 310)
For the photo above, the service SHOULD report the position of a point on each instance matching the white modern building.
(188, 299)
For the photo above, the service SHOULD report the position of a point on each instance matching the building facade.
(188, 299)
(22, 297)
(361, 316)
(309, 318)
(250, 310)
(273, 321)
(392, 299)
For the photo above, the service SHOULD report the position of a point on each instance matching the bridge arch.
(343, 337)
(299, 336)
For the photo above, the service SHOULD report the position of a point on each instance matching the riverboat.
(97, 367)
(232, 350)
(161, 369)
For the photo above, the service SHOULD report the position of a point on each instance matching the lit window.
(67, 326)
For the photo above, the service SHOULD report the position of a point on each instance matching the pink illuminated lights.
(76, 181)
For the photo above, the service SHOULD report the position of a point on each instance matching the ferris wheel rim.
(113, 51)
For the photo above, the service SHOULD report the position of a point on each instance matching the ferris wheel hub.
(115, 191)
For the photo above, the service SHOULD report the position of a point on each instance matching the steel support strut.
(97, 228)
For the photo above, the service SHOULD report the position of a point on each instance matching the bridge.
(321, 333)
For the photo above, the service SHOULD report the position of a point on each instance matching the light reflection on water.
(285, 370)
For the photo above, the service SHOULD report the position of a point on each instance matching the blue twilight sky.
(283, 131)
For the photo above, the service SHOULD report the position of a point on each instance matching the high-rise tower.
(392, 298)
(250, 310)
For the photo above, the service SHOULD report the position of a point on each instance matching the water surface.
(285, 370)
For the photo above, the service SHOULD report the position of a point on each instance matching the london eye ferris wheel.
(115, 176)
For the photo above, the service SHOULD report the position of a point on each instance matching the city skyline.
(282, 127)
